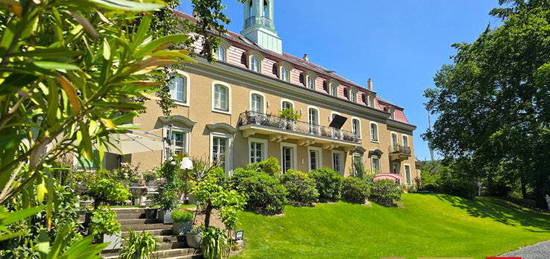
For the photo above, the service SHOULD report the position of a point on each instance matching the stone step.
(141, 227)
(130, 216)
(125, 222)
(154, 232)
(166, 239)
(129, 210)
(168, 253)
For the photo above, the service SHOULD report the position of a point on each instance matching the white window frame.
(264, 142)
(353, 95)
(343, 162)
(311, 78)
(372, 164)
(294, 156)
(353, 156)
(289, 101)
(408, 180)
(185, 131)
(264, 101)
(225, 49)
(214, 109)
(259, 59)
(187, 102)
(393, 143)
(228, 151)
(360, 133)
(286, 76)
(319, 159)
(334, 89)
(405, 140)
(377, 140)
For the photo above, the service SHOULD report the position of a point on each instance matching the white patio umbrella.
(134, 142)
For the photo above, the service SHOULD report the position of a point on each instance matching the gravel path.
(537, 251)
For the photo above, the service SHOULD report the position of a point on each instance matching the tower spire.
(259, 24)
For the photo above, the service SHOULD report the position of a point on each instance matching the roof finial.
(306, 57)
(370, 85)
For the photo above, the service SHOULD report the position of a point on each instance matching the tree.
(493, 102)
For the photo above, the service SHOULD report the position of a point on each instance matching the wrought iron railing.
(275, 122)
(259, 20)
(400, 149)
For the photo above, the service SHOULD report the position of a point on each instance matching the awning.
(134, 142)
(338, 121)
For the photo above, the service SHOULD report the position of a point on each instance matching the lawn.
(425, 225)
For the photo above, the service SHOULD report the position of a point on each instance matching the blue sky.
(399, 44)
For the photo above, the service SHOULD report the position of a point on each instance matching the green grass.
(425, 225)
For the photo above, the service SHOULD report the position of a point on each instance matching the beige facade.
(202, 124)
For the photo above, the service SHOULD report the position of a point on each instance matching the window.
(364, 99)
(406, 141)
(334, 90)
(311, 82)
(395, 168)
(325, 86)
(346, 93)
(356, 127)
(314, 158)
(176, 139)
(338, 161)
(286, 105)
(219, 150)
(288, 156)
(221, 54)
(178, 89)
(257, 103)
(374, 132)
(357, 164)
(353, 96)
(221, 98)
(285, 73)
(254, 64)
(408, 175)
(257, 150)
(376, 164)
(266, 9)
(394, 141)
(313, 120)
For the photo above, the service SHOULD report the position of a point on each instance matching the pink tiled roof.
(302, 64)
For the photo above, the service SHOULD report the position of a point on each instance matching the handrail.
(265, 120)
(400, 149)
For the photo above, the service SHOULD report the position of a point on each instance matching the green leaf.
(153, 45)
(127, 5)
(47, 53)
(7, 218)
(106, 50)
(55, 65)
(141, 34)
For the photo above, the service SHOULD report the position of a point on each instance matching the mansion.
(230, 111)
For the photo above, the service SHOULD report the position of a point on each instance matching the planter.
(115, 241)
(151, 213)
(180, 228)
(165, 216)
(194, 239)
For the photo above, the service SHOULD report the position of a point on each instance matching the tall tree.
(493, 102)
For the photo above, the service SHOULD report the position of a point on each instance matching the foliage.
(138, 245)
(385, 192)
(128, 173)
(271, 166)
(213, 194)
(182, 215)
(354, 190)
(214, 243)
(448, 225)
(290, 114)
(107, 190)
(168, 196)
(358, 168)
(301, 188)
(265, 193)
(103, 221)
(329, 184)
(492, 103)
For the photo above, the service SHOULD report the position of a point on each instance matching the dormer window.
(364, 99)
(334, 89)
(284, 72)
(346, 93)
(353, 96)
(325, 86)
(311, 82)
(221, 53)
(254, 63)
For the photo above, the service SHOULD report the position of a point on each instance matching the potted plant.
(289, 116)
(183, 221)
(167, 197)
(194, 238)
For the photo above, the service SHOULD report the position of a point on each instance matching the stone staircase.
(168, 245)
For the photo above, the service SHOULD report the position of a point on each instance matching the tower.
(259, 25)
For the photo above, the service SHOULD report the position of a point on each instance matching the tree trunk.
(207, 213)
(541, 188)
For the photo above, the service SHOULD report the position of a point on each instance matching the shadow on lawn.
(501, 211)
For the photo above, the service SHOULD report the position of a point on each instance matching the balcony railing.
(405, 150)
(259, 20)
(278, 123)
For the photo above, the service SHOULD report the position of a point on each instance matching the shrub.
(265, 193)
(459, 187)
(182, 215)
(301, 188)
(138, 246)
(328, 183)
(354, 190)
(271, 166)
(385, 192)
(214, 243)
(103, 221)
(107, 190)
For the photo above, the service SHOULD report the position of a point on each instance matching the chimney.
(369, 85)
(306, 57)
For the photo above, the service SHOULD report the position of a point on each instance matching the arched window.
(285, 73)
(334, 90)
(286, 105)
(257, 103)
(405, 141)
(221, 54)
(311, 82)
(178, 89)
(313, 115)
(373, 132)
(251, 9)
(254, 63)
(266, 9)
(356, 127)
(221, 98)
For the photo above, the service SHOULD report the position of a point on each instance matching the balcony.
(399, 152)
(260, 21)
(280, 129)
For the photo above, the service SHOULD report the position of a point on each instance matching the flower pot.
(114, 240)
(151, 213)
(194, 239)
(165, 216)
(180, 228)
